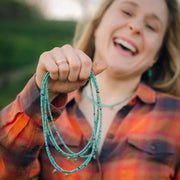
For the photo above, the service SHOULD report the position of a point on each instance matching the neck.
(114, 89)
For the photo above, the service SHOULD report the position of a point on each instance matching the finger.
(74, 63)
(58, 56)
(47, 64)
(86, 65)
(98, 67)
(63, 71)
(62, 63)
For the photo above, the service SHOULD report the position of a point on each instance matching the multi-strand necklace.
(91, 147)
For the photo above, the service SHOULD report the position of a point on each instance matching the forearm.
(21, 134)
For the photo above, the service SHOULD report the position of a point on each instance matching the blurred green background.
(24, 35)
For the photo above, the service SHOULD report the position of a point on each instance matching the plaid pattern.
(142, 143)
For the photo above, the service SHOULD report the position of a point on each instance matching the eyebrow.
(152, 15)
(130, 2)
(157, 18)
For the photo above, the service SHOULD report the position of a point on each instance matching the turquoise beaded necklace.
(111, 106)
(94, 140)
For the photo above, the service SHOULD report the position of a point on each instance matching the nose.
(135, 27)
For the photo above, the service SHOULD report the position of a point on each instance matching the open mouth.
(126, 46)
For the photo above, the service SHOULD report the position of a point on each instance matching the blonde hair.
(166, 71)
(84, 36)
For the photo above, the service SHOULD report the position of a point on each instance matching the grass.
(21, 44)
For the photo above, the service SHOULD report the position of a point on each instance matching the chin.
(114, 70)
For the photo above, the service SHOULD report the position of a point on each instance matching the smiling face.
(130, 35)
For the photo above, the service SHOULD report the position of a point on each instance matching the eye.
(150, 27)
(128, 13)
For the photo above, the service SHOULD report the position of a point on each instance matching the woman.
(133, 48)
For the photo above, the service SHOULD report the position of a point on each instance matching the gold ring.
(61, 62)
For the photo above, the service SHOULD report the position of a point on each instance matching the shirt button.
(153, 147)
(110, 136)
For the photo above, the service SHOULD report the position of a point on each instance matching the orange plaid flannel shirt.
(142, 143)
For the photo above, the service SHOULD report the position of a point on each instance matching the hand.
(69, 69)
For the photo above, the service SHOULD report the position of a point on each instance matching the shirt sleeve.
(177, 176)
(21, 133)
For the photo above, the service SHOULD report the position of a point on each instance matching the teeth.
(126, 45)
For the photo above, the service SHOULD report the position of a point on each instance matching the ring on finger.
(62, 61)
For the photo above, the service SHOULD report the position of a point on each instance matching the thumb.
(98, 67)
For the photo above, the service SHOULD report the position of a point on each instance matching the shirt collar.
(74, 95)
(146, 94)
(143, 92)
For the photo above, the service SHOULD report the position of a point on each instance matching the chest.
(109, 115)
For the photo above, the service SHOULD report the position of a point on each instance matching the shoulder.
(167, 101)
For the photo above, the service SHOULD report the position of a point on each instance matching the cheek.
(153, 46)
(110, 22)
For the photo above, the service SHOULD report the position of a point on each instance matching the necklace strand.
(108, 105)
(94, 141)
